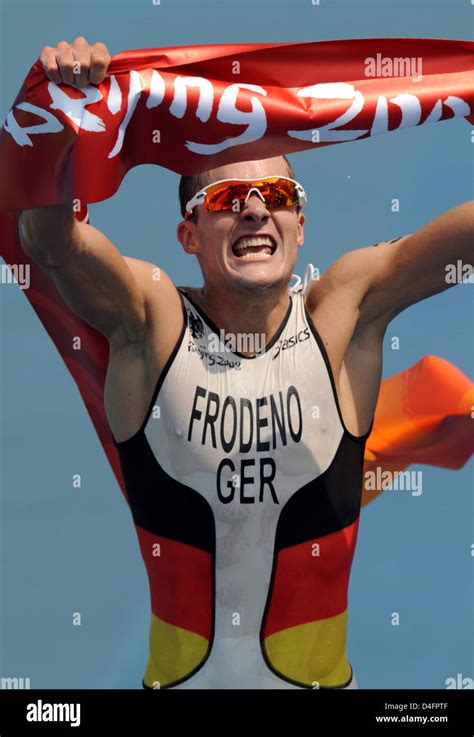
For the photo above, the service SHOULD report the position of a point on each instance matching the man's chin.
(263, 279)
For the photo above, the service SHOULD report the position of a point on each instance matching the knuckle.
(47, 61)
(100, 62)
(102, 49)
(82, 61)
(50, 68)
(80, 40)
(83, 74)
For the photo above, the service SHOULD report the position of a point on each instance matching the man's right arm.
(90, 273)
(94, 279)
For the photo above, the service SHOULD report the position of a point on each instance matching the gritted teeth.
(257, 241)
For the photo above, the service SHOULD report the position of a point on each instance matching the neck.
(257, 313)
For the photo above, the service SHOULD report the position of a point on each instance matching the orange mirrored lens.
(230, 196)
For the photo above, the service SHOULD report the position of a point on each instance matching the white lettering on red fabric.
(410, 105)
(179, 105)
(20, 135)
(227, 112)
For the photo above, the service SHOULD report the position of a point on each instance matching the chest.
(245, 433)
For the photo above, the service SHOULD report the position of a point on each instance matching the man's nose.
(255, 208)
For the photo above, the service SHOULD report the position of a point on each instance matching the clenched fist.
(77, 64)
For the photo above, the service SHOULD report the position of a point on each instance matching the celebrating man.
(240, 409)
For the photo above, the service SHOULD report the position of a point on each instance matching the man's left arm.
(409, 269)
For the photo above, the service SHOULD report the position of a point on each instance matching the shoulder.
(154, 281)
(354, 273)
(345, 278)
(164, 304)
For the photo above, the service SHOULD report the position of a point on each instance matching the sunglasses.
(232, 194)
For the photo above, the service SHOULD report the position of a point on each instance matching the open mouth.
(254, 248)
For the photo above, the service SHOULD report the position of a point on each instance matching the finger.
(65, 61)
(100, 60)
(50, 65)
(82, 60)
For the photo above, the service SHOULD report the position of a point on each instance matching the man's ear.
(300, 228)
(186, 233)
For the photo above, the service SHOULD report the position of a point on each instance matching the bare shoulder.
(348, 275)
(149, 276)
(161, 295)
(341, 288)
(163, 305)
(351, 277)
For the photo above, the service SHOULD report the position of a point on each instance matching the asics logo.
(283, 345)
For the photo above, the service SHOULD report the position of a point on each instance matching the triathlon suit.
(245, 490)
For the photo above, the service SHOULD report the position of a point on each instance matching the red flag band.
(194, 108)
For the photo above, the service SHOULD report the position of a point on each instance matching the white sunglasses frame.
(198, 198)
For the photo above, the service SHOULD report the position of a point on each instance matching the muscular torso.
(354, 351)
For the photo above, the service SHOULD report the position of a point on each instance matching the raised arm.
(89, 272)
(422, 264)
(383, 281)
(110, 292)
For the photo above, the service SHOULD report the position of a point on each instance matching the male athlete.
(243, 466)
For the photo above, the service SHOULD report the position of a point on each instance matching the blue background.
(66, 550)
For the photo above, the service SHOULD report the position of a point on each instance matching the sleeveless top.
(245, 490)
